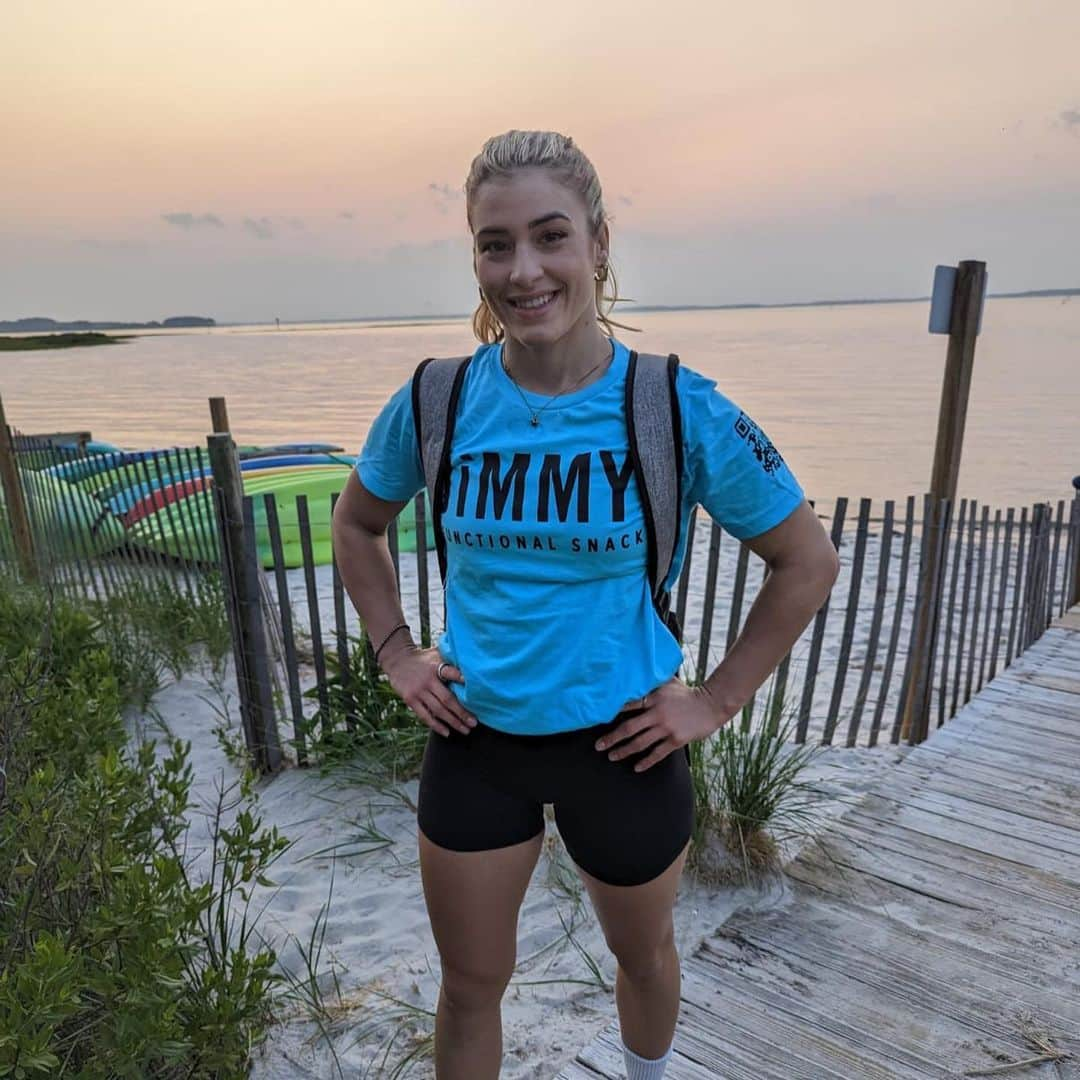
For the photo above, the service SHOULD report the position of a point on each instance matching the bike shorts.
(487, 790)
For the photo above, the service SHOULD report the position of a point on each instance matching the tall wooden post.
(240, 578)
(219, 415)
(16, 504)
(967, 299)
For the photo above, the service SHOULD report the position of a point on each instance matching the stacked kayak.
(162, 500)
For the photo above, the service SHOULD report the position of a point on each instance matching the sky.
(257, 160)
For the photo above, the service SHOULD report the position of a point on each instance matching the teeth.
(540, 301)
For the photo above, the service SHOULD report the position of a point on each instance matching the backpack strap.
(436, 388)
(654, 431)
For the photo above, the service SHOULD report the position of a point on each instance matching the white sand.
(377, 934)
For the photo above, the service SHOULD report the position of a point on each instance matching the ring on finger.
(439, 671)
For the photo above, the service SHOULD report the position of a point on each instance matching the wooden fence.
(1004, 576)
(852, 678)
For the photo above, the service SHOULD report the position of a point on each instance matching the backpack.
(654, 432)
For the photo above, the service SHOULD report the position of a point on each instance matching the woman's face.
(534, 255)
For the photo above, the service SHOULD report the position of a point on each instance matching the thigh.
(626, 828)
(473, 899)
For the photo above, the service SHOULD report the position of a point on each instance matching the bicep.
(357, 506)
(799, 540)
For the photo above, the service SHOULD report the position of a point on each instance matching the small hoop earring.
(601, 272)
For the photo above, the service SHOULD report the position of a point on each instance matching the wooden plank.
(955, 829)
(881, 588)
(937, 997)
(982, 867)
(738, 590)
(898, 613)
(684, 574)
(288, 633)
(420, 510)
(919, 624)
(794, 1027)
(836, 534)
(968, 985)
(341, 633)
(990, 582)
(1018, 586)
(980, 563)
(704, 638)
(303, 521)
(882, 871)
(954, 576)
(854, 586)
(1002, 587)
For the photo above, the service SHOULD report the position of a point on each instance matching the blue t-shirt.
(548, 608)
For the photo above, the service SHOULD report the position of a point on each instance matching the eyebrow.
(532, 224)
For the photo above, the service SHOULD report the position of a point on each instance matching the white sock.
(639, 1068)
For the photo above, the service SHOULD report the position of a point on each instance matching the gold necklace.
(535, 414)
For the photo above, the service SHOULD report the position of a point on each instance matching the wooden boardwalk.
(938, 928)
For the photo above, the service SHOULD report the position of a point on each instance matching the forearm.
(788, 600)
(367, 572)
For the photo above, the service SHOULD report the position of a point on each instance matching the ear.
(602, 244)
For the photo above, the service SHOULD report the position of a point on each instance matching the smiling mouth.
(535, 303)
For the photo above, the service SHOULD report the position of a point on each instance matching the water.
(848, 394)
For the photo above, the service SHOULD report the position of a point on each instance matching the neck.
(553, 367)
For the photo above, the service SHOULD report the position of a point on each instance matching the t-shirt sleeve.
(731, 467)
(389, 464)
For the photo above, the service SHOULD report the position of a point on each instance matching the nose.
(526, 266)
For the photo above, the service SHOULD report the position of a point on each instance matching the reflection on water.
(848, 394)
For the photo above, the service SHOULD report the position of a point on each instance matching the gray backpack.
(654, 433)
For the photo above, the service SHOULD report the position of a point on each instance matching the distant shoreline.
(31, 342)
(390, 321)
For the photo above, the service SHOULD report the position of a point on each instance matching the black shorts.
(487, 790)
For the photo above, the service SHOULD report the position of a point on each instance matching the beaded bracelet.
(400, 626)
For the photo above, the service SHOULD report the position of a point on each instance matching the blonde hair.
(500, 157)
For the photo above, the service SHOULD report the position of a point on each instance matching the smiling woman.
(556, 679)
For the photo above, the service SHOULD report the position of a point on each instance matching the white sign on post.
(941, 300)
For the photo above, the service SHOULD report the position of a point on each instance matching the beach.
(354, 853)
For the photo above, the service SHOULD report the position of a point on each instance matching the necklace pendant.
(535, 421)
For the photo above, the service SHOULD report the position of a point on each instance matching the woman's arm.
(367, 572)
(803, 565)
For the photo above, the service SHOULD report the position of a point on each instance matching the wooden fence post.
(16, 503)
(967, 301)
(239, 570)
(219, 416)
(1074, 599)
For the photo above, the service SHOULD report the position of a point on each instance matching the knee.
(473, 990)
(645, 961)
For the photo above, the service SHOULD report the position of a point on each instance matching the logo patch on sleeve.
(768, 456)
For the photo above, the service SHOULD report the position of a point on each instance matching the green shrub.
(114, 962)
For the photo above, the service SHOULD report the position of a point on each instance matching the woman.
(556, 680)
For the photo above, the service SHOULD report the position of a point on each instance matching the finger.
(636, 704)
(451, 674)
(626, 730)
(441, 711)
(660, 751)
(451, 704)
(429, 720)
(642, 742)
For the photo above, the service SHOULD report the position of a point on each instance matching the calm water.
(848, 394)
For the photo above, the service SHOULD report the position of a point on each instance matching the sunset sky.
(249, 160)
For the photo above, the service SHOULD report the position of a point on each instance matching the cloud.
(1070, 120)
(297, 223)
(348, 215)
(445, 196)
(262, 227)
(184, 220)
(625, 200)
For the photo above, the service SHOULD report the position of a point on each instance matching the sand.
(377, 937)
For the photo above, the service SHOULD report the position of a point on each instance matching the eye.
(492, 245)
(553, 236)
